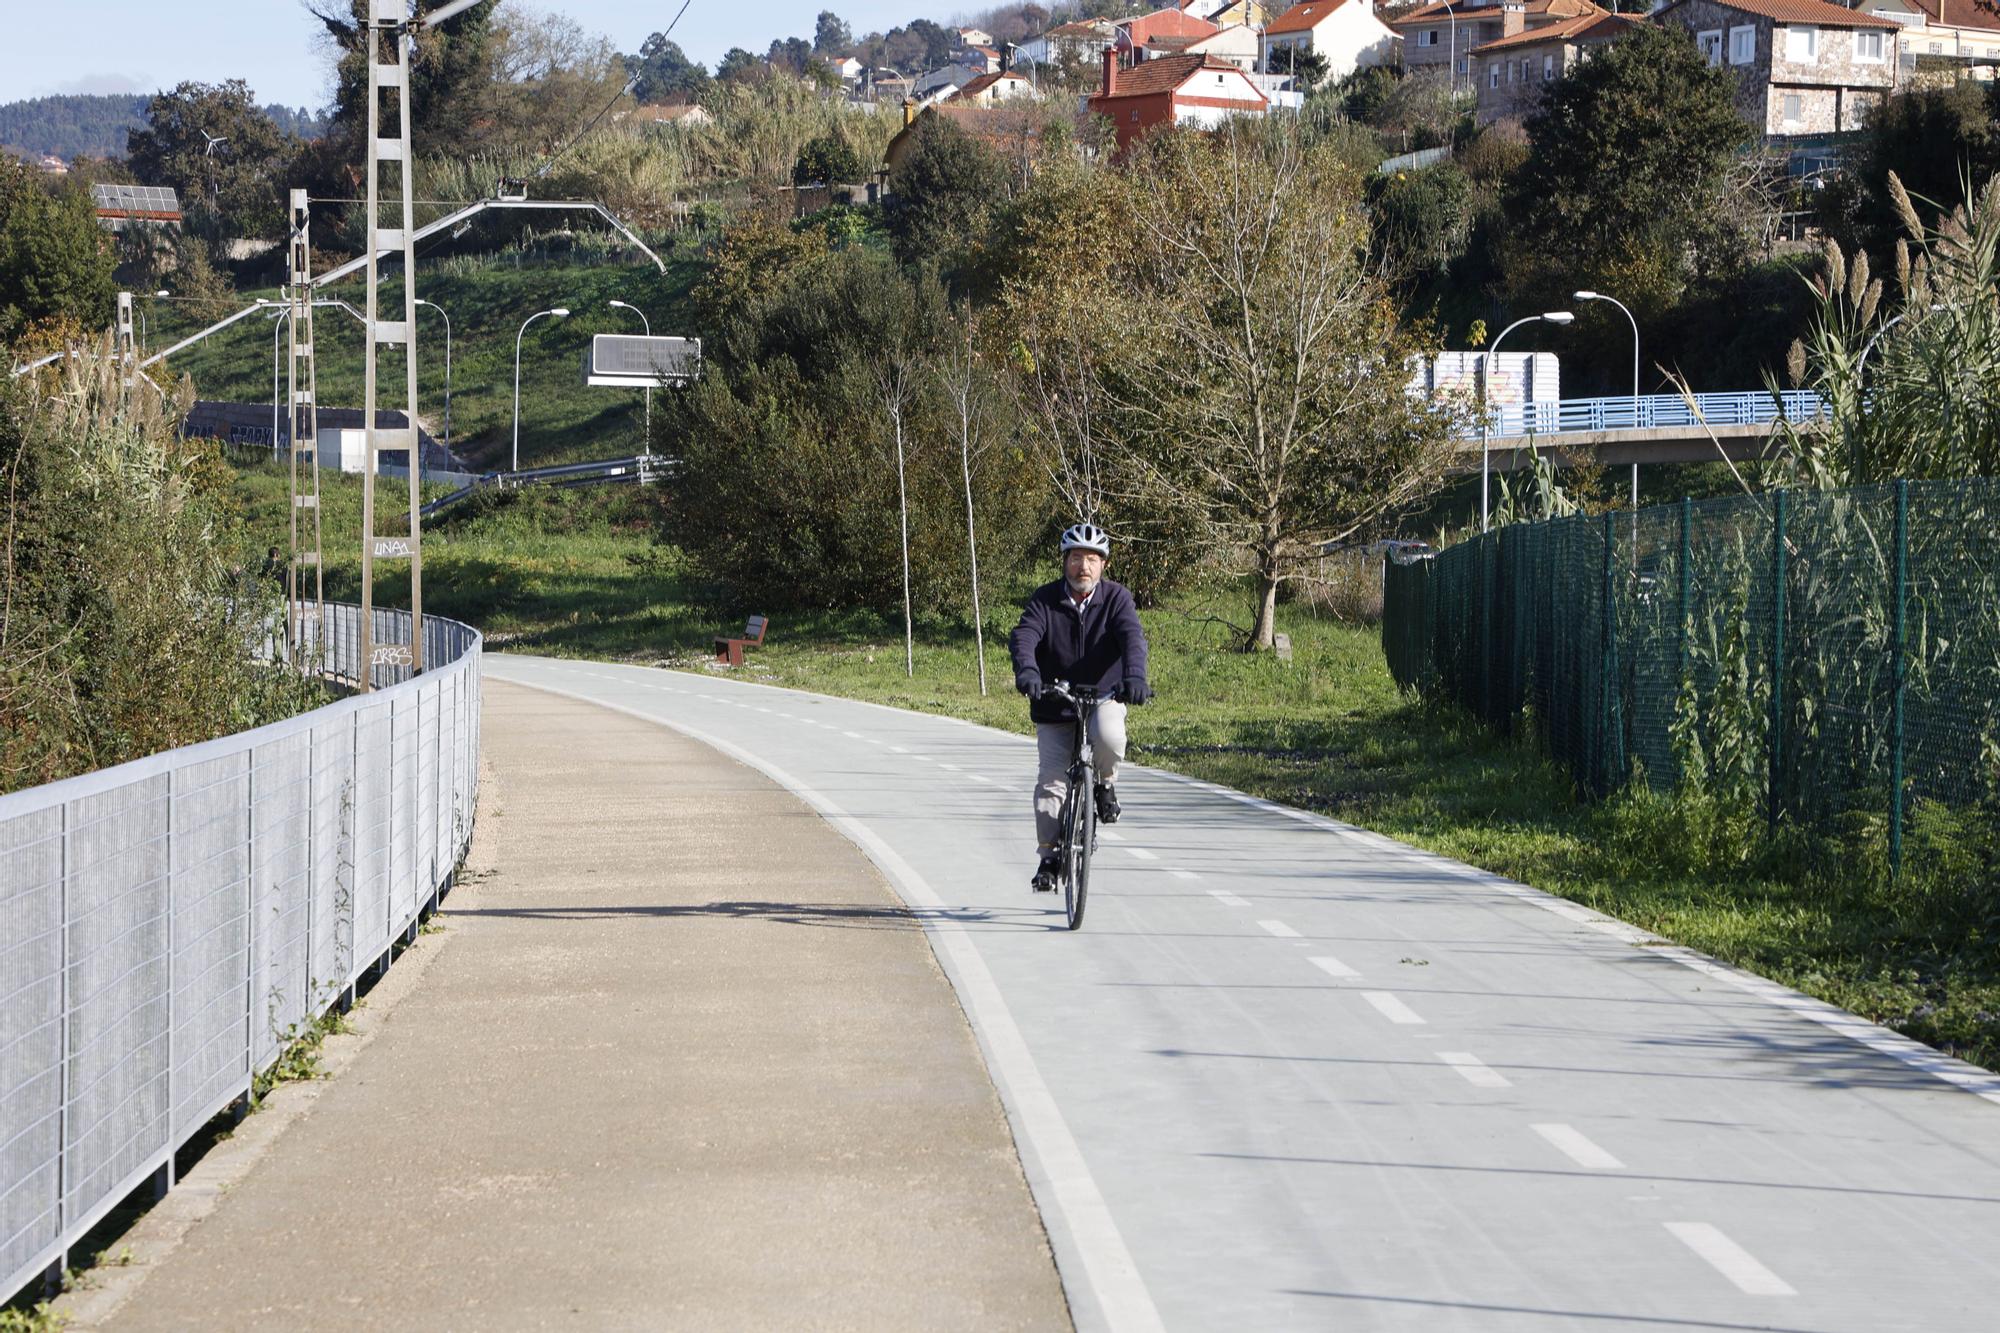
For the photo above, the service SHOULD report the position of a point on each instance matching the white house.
(1346, 33)
(1238, 45)
(1069, 41)
(845, 68)
(956, 75)
(993, 89)
(975, 37)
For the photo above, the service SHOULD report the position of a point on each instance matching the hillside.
(74, 126)
(562, 420)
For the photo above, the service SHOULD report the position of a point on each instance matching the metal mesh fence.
(1828, 657)
(169, 925)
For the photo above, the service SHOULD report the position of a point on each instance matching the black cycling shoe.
(1048, 874)
(1108, 808)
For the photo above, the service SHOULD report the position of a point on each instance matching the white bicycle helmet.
(1087, 537)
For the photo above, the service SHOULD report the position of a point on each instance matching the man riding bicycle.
(1084, 629)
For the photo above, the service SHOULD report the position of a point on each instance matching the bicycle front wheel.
(1079, 837)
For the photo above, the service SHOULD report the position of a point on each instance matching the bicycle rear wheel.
(1079, 837)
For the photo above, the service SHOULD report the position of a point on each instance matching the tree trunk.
(903, 494)
(1261, 638)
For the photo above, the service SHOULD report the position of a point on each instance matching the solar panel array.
(130, 199)
(621, 357)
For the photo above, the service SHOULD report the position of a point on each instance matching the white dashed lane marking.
(1572, 1144)
(1280, 929)
(1476, 1071)
(1390, 1007)
(1228, 899)
(1333, 967)
(1183, 874)
(1142, 853)
(1730, 1259)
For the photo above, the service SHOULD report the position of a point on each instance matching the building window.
(1794, 108)
(1743, 44)
(1492, 74)
(1937, 48)
(1548, 68)
(1465, 64)
(1710, 45)
(1868, 47)
(1428, 37)
(1802, 44)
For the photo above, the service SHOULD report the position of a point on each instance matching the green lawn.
(576, 574)
(562, 420)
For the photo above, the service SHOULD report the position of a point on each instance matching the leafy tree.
(831, 35)
(1934, 139)
(449, 65)
(223, 155)
(827, 160)
(664, 72)
(944, 192)
(71, 126)
(1307, 67)
(738, 66)
(1423, 219)
(1264, 411)
(792, 54)
(55, 261)
(1627, 181)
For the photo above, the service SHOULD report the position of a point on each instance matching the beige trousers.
(1054, 748)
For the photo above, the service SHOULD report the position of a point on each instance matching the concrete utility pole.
(305, 624)
(389, 20)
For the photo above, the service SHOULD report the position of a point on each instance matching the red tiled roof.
(1816, 12)
(1975, 14)
(1303, 18)
(1585, 28)
(1534, 9)
(1166, 23)
(1165, 74)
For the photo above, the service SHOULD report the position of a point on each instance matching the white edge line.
(1905, 1050)
(1108, 1265)
(1730, 1259)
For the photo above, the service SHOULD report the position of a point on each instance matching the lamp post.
(1485, 359)
(1600, 296)
(626, 305)
(559, 312)
(447, 368)
(1452, 14)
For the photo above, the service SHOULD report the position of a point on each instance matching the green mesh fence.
(1826, 657)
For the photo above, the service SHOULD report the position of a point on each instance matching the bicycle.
(1077, 829)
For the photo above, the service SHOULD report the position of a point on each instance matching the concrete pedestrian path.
(683, 1061)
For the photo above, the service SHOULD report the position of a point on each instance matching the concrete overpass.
(1661, 428)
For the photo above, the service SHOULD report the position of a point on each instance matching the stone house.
(1802, 67)
(1435, 36)
(1511, 74)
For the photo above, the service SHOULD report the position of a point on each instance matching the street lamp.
(1599, 296)
(1485, 358)
(1452, 14)
(559, 312)
(447, 369)
(623, 305)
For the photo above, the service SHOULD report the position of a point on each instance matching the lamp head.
(1558, 317)
(618, 305)
(1583, 296)
(163, 293)
(560, 312)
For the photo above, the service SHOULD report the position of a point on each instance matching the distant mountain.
(71, 126)
(95, 126)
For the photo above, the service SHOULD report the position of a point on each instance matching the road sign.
(630, 361)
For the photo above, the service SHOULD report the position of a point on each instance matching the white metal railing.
(167, 926)
(1666, 411)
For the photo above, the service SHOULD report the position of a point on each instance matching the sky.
(142, 46)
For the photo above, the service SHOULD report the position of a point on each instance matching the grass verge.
(577, 575)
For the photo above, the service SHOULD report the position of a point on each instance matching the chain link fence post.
(1777, 746)
(1899, 672)
(1681, 630)
(1607, 662)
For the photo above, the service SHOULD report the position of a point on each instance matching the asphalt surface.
(1295, 1075)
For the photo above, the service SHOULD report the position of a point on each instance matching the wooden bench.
(731, 650)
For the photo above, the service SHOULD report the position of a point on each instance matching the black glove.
(1030, 684)
(1136, 691)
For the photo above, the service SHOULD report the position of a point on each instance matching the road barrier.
(1661, 411)
(1830, 657)
(168, 926)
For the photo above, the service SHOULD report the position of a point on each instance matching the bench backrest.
(754, 627)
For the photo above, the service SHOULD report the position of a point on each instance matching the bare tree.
(962, 379)
(896, 381)
(1264, 408)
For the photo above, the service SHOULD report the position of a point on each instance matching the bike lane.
(1292, 1073)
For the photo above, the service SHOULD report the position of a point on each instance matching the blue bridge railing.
(1663, 411)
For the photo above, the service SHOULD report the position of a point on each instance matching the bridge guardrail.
(168, 925)
(1652, 412)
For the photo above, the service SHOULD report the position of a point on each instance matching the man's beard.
(1082, 586)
